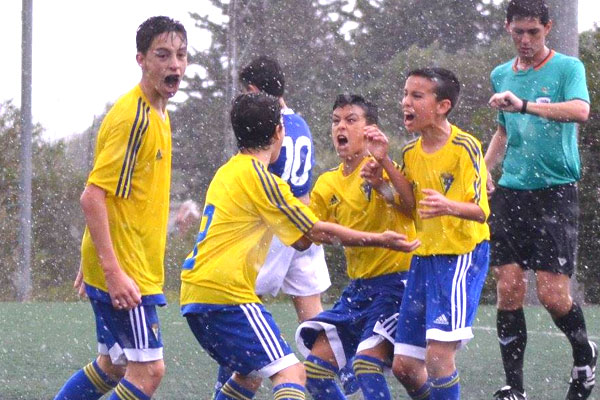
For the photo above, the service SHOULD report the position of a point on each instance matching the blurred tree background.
(325, 47)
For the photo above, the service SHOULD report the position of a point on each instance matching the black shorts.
(536, 229)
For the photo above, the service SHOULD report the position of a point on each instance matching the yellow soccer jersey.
(132, 164)
(457, 171)
(245, 205)
(350, 201)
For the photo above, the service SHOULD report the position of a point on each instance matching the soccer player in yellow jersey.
(245, 205)
(360, 328)
(126, 206)
(443, 182)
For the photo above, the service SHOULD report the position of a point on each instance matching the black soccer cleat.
(508, 393)
(583, 378)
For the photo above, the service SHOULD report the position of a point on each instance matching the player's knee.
(157, 370)
(114, 372)
(293, 374)
(405, 369)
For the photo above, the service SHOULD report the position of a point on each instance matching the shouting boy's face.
(419, 104)
(347, 131)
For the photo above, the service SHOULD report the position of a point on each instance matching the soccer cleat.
(508, 393)
(583, 378)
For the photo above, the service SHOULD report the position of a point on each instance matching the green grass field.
(42, 344)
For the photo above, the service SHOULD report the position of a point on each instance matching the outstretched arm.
(327, 232)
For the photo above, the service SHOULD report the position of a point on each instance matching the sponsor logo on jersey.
(334, 200)
(159, 155)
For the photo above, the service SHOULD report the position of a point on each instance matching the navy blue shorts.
(243, 338)
(132, 335)
(441, 299)
(364, 316)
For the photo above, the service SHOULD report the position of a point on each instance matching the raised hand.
(372, 172)
(377, 142)
(506, 101)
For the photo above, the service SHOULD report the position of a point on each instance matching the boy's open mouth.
(172, 80)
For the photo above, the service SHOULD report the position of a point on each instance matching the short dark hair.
(370, 109)
(447, 86)
(254, 117)
(528, 9)
(154, 26)
(264, 73)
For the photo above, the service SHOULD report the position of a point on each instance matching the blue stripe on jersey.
(263, 331)
(296, 210)
(276, 198)
(129, 143)
(136, 146)
(459, 291)
(473, 150)
(409, 146)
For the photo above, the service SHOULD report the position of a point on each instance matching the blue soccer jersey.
(297, 156)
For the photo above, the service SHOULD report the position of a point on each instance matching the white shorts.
(296, 273)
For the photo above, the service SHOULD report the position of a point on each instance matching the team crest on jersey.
(159, 155)
(334, 200)
(366, 189)
(446, 180)
(155, 330)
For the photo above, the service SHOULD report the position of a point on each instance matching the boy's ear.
(279, 133)
(252, 89)
(444, 106)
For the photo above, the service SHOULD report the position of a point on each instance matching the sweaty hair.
(527, 9)
(254, 117)
(370, 109)
(264, 73)
(154, 26)
(447, 86)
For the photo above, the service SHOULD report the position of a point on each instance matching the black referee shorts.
(536, 229)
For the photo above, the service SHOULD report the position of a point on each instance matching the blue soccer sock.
(232, 390)
(288, 391)
(348, 379)
(446, 388)
(222, 377)
(421, 394)
(320, 379)
(89, 383)
(126, 390)
(369, 372)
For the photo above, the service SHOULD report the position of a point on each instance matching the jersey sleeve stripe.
(411, 145)
(144, 128)
(296, 212)
(129, 147)
(475, 156)
(296, 216)
(268, 182)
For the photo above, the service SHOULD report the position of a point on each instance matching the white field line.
(545, 333)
